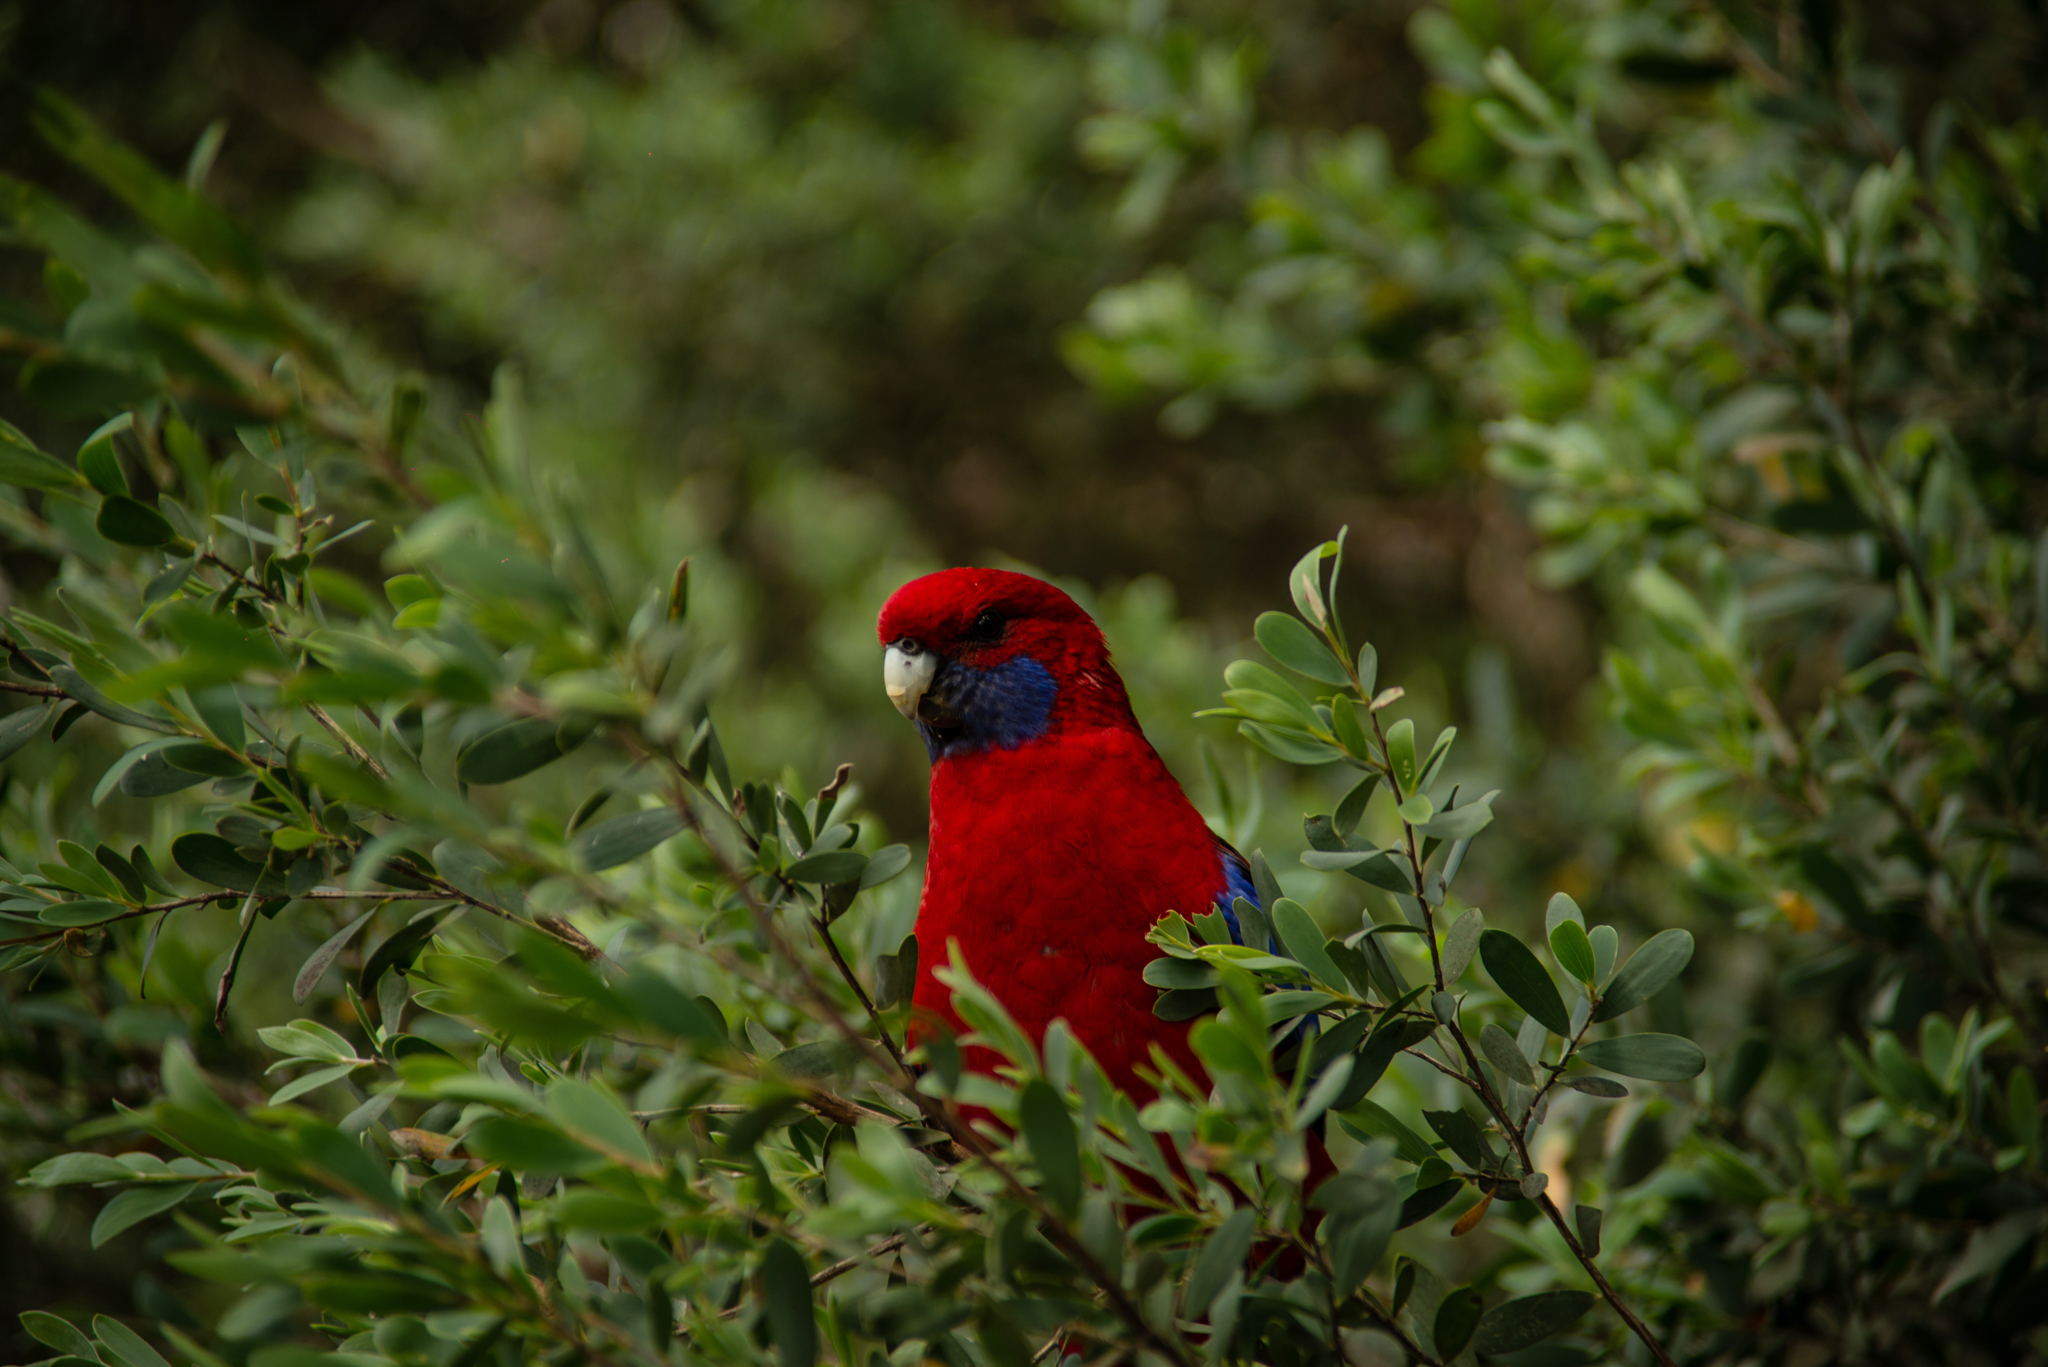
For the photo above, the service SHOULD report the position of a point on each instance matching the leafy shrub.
(702, 1138)
(626, 1083)
(1747, 317)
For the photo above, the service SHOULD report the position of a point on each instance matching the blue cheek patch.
(1000, 708)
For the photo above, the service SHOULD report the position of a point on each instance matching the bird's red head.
(988, 659)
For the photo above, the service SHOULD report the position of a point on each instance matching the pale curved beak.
(906, 673)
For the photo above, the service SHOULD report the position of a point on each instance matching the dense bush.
(1755, 336)
(601, 1050)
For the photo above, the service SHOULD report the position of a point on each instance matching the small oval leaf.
(510, 751)
(323, 958)
(1646, 973)
(1503, 1053)
(1574, 952)
(832, 866)
(1653, 1058)
(611, 843)
(1525, 1320)
(127, 522)
(1287, 639)
(1460, 942)
(1522, 977)
(1049, 1129)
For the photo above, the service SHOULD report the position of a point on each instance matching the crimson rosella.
(1058, 837)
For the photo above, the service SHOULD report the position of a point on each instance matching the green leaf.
(311, 1082)
(1561, 908)
(510, 751)
(669, 1009)
(1520, 974)
(213, 861)
(73, 683)
(586, 1208)
(1367, 866)
(1352, 808)
(1461, 1133)
(406, 589)
(67, 1168)
(19, 728)
(527, 1146)
(1460, 942)
(1426, 1201)
(786, 1292)
(118, 770)
(220, 707)
(196, 757)
(1292, 746)
(1503, 1053)
(884, 864)
(1388, 1039)
(167, 206)
(1654, 1058)
(1462, 822)
(87, 911)
(1287, 640)
(25, 467)
(307, 1039)
(1645, 974)
(599, 1119)
(1223, 1254)
(136, 1205)
(1456, 1317)
(817, 1062)
(1049, 1129)
(127, 522)
(1595, 1086)
(622, 839)
(1516, 1324)
(321, 959)
(1368, 1120)
(399, 949)
(1573, 951)
(1184, 1003)
(58, 1333)
(1401, 753)
(896, 974)
(1180, 973)
(1606, 942)
(831, 866)
(100, 463)
(167, 582)
(152, 775)
(1358, 1242)
(1386, 974)
(1304, 941)
(1587, 1218)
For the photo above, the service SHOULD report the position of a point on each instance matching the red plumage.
(1052, 857)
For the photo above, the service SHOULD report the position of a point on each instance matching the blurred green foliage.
(1738, 307)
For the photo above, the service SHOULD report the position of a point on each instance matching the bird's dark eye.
(987, 628)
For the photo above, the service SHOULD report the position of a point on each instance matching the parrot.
(1058, 836)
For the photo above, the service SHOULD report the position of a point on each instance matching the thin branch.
(348, 742)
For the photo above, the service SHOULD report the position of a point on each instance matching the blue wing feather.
(1237, 882)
